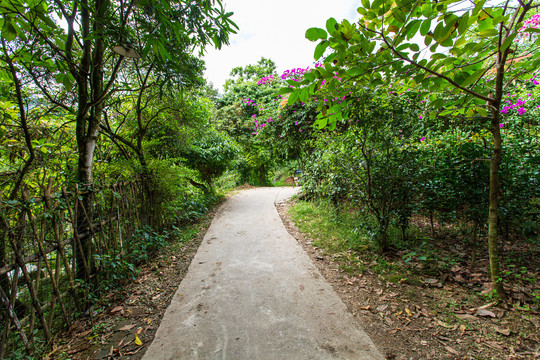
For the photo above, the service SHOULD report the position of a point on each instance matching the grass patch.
(340, 234)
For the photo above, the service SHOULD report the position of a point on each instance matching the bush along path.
(251, 292)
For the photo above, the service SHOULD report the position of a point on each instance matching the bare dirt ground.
(126, 321)
(438, 318)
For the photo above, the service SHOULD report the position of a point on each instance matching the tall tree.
(87, 46)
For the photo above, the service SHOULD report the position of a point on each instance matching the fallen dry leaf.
(409, 313)
(485, 313)
(467, 317)
(451, 350)
(127, 327)
(494, 345)
(117, 309)
(505, 332)
(133, 352)
(445, 325)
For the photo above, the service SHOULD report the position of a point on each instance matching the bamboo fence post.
(75, 232)
(61, 250)
(89, 262)
(47, 266)
(35, 300)
(13, 316)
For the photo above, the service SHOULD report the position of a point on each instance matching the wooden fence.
(40, 293)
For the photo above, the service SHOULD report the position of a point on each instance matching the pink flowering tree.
(474, 60)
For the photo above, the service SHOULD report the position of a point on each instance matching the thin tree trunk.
(90, 82)
(494, 186)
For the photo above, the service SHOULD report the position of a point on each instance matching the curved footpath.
(252, 293)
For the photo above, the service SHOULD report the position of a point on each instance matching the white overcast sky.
(274, 29)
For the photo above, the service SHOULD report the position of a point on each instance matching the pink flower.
(501, 125)
(423, 138)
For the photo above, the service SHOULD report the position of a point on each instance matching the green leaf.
(9, 32)
(293, 97)
(472, 78)
(320, 49)
(304, 94)
(314, 34)
(463, 23)
(321, 123)
(376, 4)
(285, 90)
(425, 27)
(68, 81)
(488, 32)
(508, 41)
(331, 25)
(365, 4)
(413, 28)
(481, 111)
(478, 7)
(355, 71)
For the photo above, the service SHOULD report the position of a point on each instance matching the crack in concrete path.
(252, 292)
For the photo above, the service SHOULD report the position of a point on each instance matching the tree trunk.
(494, 186)
(90, 108)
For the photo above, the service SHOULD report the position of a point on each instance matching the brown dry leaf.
(505, 332)
(451, 350)
(83, 334)
(139, 330)
(117, 309)
(462, 329)
(494, 345)
(365, 307)
(467, 317)
(133, 352)
(409, 313)
(485, 313)
(487, 305)
(127, 327)
(443, 324)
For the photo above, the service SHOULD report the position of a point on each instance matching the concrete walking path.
(252, 293)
